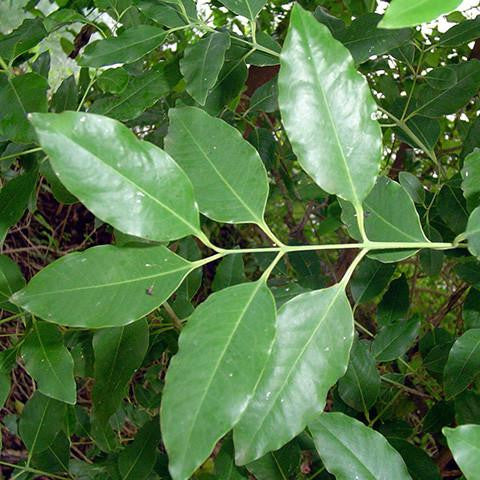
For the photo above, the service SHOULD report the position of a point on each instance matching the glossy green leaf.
(473, 232)
(222, 353)
(395, 302)
(435, 103)
(168, 13)
(11, 280)
(310, 353)
(471, 179)
(464, 442)
(56, 458)
(327, 110)
(131, 45)
(136, 462)
(370, 279)
(413, 186)
(49, 362)
(247, 8)
(360, 386)
(41, 420)
(463, 364)
(143, 91)
(26, 36)
(114, 286)
(14, 197)
(127, 182)
(404, 13)
(382, 221)
(19, 96)
(227, 173)
(202, 64)
(364, 39)
(230, 271)
(265, 98)
(350, 450)
(118, 353)
(394, 340)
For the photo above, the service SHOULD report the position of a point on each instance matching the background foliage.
(196, 118)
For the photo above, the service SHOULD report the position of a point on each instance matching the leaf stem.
(361, 222)
(353, 266)
(19, 154)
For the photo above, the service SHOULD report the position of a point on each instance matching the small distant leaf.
(114, 286)
(310, 353)
(247, 8)
(413, 186)
(132, 184)
(49, 362)
(360, 386)
(327, 110)
(230, 271)
(136, 462)
(395, 302)
(131, 45)
(227, 173)
(14, 197)
(463, 364)
(41, 420)
(222, 353)
(345, 446)
(202, 63)
(394, 340)
(370, 279)
(382, 222)
(464, 442)
(404, 13)
(11, 280)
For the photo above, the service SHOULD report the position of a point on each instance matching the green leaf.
(11, 280)
(113, 286)
(413, 186)
(432, 260)
(370, 279)
(66, 96)
(395, 303)
(463, 364)
(394, 340)
(18, 97)
(472, 233)
(470, 309)
(360, 386)
(435, 103)
(327, 110)
(471, 179)
(222, 353)
(168, 13)
(131, 45)
(350, 450)
(419, 464)
(441, 78)
(451, 205)
(202, 63)
(225, 465)
(132, 184)
(467, 408)
(310, 353)
(137, 460)
(230, 271)
(49, 362)
(4, 387)
(364, 39)
(26, 36)
(464, 442)
(460, 34)
(41, 420)
(113, 80)
(118, 353)
(227, 173)
(247, 8)
(404, 13)
(142, 93)
(382, 221)
(56, 458)
(14, 197)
